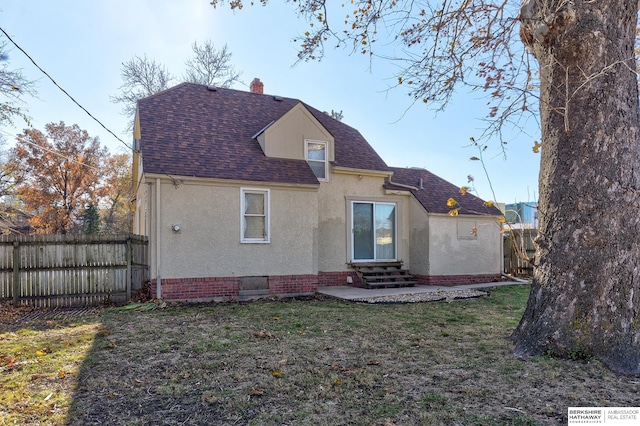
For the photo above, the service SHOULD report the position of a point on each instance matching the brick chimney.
(256, 86)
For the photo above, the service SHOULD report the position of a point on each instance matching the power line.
(25, 140)
(58, 154)
(63, 91)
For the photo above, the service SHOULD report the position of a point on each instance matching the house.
(14, 220)
(244, 193)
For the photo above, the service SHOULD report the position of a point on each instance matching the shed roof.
(433, 192)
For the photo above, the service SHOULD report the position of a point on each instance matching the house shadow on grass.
(138, 374)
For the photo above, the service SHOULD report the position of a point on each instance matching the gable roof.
(195, 130)
(435, 191)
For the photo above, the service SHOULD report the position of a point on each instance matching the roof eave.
(234, 182)
(362, 172)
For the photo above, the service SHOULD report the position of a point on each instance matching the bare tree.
(570, 63)
(210, 66)
(141, 77)
(337, 115)
(13, 87)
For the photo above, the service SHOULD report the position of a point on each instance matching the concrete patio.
(357, 293)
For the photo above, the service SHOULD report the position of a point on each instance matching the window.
(316, 155)
(373, 231)
(255, 215)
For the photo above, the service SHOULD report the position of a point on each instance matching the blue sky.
(82, 45)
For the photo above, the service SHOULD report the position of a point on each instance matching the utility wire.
(58, 154)
(25, 140)
(63, 91)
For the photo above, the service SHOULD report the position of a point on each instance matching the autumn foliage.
(60, 173)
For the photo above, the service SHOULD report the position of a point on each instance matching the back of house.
(245, 194)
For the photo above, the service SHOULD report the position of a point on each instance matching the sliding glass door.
(373, 230)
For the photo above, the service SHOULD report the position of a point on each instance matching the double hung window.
(316, 156)
(255, 215)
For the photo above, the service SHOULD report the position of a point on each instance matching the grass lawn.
(295, 362)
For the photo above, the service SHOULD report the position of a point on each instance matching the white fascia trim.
(362, 172)
(186, 180)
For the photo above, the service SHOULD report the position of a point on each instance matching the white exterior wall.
(208, 243)
(453, 250)
(334, 230)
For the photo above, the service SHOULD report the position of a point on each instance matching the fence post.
(129, 261)
(16, 274)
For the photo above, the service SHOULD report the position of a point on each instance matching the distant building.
(522, 215)
(14, 221)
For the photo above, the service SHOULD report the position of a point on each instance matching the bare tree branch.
(141, 77)
(210, 66)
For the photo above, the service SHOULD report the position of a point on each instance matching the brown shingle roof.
(189, 130)
(436, 191)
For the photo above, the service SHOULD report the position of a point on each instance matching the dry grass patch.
(324, 362)
(39, 365)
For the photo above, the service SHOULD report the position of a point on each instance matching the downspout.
(516, 279)
(158, 269)
(502, 273)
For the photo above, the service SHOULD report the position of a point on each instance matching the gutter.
(403, 186)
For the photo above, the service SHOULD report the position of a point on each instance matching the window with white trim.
(254, 215)
(373, 231)
(315, 152)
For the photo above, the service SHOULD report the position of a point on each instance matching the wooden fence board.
(69, 270)
(518, 246)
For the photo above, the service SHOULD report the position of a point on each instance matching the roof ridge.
(218, 88)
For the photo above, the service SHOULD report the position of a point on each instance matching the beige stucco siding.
(454, 250)
(285, 138)
(208, 243)
(334, 233)
(419, 233)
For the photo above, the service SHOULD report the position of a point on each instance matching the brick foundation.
(198, 288)
(293, 284)
(452, 280)
(225, 288)
(329, 279)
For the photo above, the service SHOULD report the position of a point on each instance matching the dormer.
(298, 135)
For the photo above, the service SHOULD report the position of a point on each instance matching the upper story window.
(315, 152)
(255, 215)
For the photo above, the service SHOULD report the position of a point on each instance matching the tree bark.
(585, 296)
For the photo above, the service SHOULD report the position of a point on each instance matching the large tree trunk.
(585, 297)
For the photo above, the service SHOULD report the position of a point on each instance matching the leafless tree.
(210, 66)
(141, 77)
(13, 87)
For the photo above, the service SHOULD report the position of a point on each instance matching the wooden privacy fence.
(71, 270)
(518, 244)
